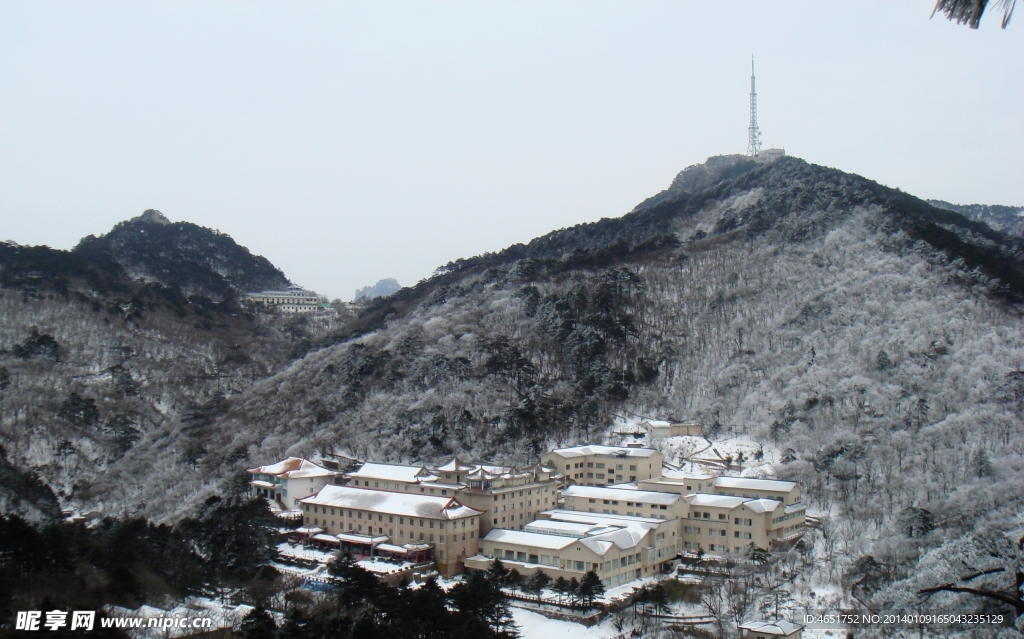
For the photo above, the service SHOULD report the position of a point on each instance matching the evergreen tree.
(590, 588)
(981, 466)
(561, 586)
(258, 624)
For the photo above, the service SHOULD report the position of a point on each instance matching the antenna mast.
(753, 133)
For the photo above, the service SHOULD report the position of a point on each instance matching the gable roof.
(389, 503)
(391, 472)
(292, 468)
(624, 494)
(754, 484)
(594, 449)
(779, 627)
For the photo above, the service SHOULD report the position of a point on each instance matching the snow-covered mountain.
(873, 339)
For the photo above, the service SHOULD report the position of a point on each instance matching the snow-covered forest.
(871, 341)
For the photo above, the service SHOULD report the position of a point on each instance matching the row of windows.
(717, 532)
(512, 518)
(359, 514)
(736, 550)
(778, 520)
(632, 467)
(391, 531)
(614, 502)
(513, 493)
(398, 487)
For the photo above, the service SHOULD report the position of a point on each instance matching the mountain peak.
(151, 216)
(696, 177)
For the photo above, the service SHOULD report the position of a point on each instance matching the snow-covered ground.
(533, 625)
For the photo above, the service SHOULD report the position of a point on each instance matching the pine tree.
(981, 466)
(258, 624)
(590, 588)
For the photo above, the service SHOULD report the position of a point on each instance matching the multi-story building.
(776, 629)
(511, 497)
(739, 511)
(619, 549)
(604, 465)
(294, 299)
(726, 525)
(363, 521)
(657, 428)
(289, 480)
(787, 492)
(623, 501)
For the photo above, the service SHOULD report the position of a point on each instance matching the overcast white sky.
(348, 142)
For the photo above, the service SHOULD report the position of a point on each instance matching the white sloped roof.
(564, 528)
(623, 494)
(717, 501)
(292, 468)
(762, 505)
(390, 472)
(602, 519)
(779, 628)
(456, 465)
(529, 539)
(388, 503)
(754, 484)
(594, 449)
(625, 538)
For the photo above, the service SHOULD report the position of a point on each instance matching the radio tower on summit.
(753, 133)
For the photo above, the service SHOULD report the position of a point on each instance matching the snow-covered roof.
(629, 537)
(717, 501)
(389, 503)
(390, 472)
(456, 465)
(600, 492)
(602, 519)
(794, 508)
(354, 538)
(625, 537)
(530, 539)
(681, 475)
(755, 484)
(594, 449)
(565, 528)
(778, 628)
(656, 422)
(292, 468)
(762, 505)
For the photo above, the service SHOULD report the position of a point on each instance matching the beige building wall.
(604, 468)
(784, 491)
(617, 566)
(730, 529)
(453, 540)
(622, 502)
(510, 507)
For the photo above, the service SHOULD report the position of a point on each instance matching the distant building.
(613, 510)
(420, 527)
(619, 549)
(294, 299)
(603, 465)
(512, 497)
(771, 630)
(289, 480)
(770, 155)
(659, 428)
